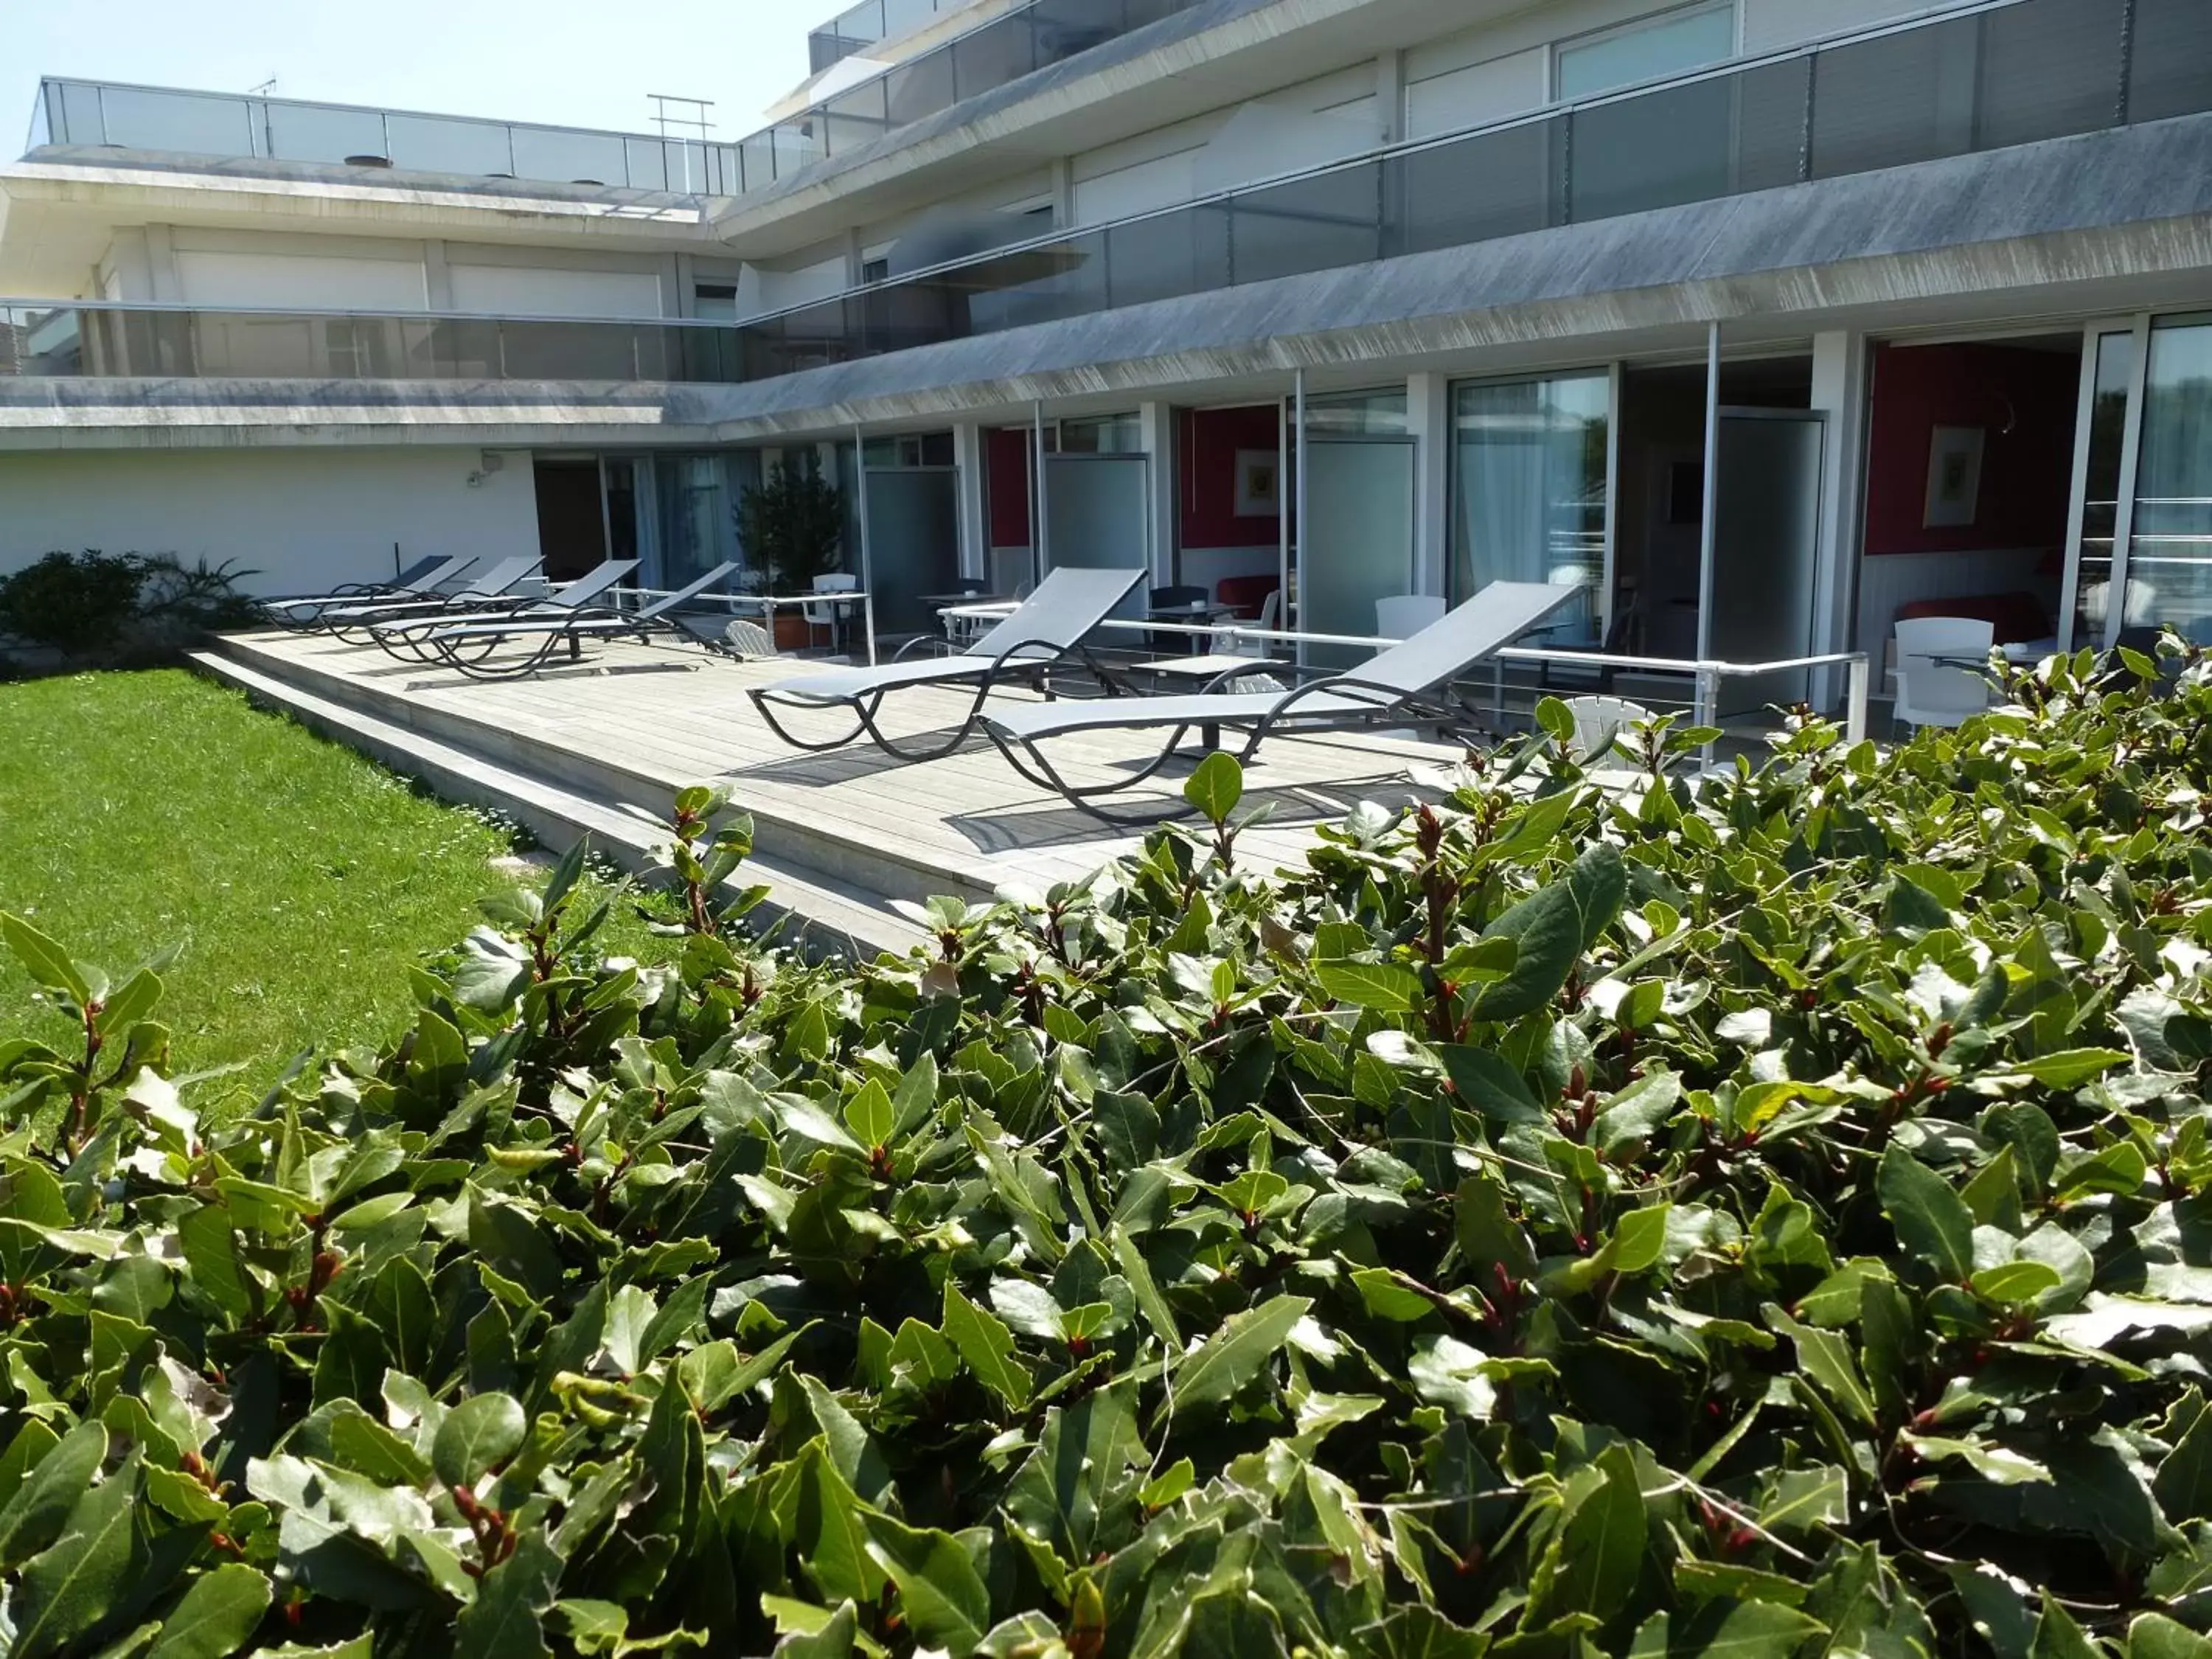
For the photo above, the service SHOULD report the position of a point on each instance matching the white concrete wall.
(303, 519)
(1770, 24)
(527, 291)
(1304, 126)
(290, 280)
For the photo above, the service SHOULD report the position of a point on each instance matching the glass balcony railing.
(101, 340)
(2011, 74)
(855, 29)
(233, 126)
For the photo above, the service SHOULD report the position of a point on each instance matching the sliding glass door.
(2142, 527)
(2169, 569)
(1531, 492)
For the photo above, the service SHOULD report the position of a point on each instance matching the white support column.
(854, 257)
(162, 263)
(1157, 425)
(1839, 392)
(1428, 416)
(1709, 518)
(1390, 94)
(974, 502)
(1063, 193)
(437, 275)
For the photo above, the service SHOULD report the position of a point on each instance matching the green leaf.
(986, 1346)
(507, 1618)
(1826, 1358)
(1593, 1565)
(86, 1573)
(1553, 927)
(217, 1617)
(44, 960)
(1746, 1630)
(477, 1434)
(1237, 1352)
(1992, 1462)
(940, 1592)
(1382, 986)
(1215, 786)
(1490, 1085)
(2070, 1068)
(38, 1509)
(1932, 1221)
(871, 1117)
(1388, 1299)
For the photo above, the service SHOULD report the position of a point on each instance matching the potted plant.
(792, 525)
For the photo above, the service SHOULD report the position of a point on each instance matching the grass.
(303, 880)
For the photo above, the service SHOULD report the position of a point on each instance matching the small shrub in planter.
(94, 608)
(1760, 1217)
(792, 525)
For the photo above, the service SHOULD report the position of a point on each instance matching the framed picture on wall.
(1954, 478)
(1259, 484)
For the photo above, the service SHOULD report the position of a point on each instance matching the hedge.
(1769, 1215)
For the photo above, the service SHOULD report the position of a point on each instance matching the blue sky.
(566, 62)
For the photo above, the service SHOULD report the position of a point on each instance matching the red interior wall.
(1209, 440)
(2026, 473)
(1006, 484)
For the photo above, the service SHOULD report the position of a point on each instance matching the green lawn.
(139, 810)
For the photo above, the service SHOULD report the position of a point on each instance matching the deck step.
(828, 916)
(818, 849)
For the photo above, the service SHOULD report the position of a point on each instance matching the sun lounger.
(495, 587)
(419, 580)
(1045, 633)
(408, 637)
(1407, 684)
(473, 646)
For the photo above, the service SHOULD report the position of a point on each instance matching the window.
(716, 302)
(875, 270)
(1105, 434)
(1359, 414)
(1673, 44)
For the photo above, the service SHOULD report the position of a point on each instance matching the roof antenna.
(264, 89)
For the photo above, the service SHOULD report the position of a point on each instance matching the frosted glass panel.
(2170, 553)
(1686, 41)
(1529, 492)
(1095, 512)
(1359, 540)
(1765, 555)
(914, 545)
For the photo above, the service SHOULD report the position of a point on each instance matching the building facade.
(1755, 321)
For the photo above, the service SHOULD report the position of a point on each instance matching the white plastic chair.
(1600, 720)
(1227, 644)
(1931, 693)
(831, 617)
(1404, 615)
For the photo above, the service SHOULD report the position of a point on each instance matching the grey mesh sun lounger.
(469, 647)
(408, 637)
(421, 580)
(493, 588)
(1406, 684)
(1044, 633)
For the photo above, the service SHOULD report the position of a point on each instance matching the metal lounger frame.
(1382, 703)
(1017, 663)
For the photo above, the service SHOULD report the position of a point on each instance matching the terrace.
(842, 837)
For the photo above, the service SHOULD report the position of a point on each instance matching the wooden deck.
(632, 724)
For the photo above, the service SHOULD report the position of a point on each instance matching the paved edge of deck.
(823, 850)
(825, 917)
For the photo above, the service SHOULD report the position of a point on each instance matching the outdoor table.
(1197, 610)
(1207, 670)
(957, 627)
(770, 604)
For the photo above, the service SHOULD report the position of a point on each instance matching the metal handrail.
(1706, 670)
(186, 307)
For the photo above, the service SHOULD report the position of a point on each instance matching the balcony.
(2011, 73)
(93, 115)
